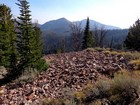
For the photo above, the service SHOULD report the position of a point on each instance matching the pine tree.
(133, 39)
(38, 40)
(29, 42)
(7, 39)
(25, 37)
(38, 44)
(88, 37)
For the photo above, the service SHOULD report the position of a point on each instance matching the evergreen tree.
(29, 40)
(88, 37)
(133, 39)
(25, 37)
(38, 44)
(38, 63)
(7, 39)
(38, 40)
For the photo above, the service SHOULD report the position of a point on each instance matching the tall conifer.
(7, 39)
(29, 41)
(25, 36)
(133, 39)
(87, 38)
(38, 45)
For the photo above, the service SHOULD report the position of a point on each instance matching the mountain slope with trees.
(133, 39)
(20, 43)
(8, 51)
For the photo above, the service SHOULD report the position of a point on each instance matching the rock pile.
(67, 71)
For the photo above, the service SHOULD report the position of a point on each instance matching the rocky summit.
(67, 72)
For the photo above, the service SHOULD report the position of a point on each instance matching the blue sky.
(121, 13)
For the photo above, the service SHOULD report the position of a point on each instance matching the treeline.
(111, 39)
(20, 42)
(121, 39)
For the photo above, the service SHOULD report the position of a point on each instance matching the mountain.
(94, 23)
(61, 26)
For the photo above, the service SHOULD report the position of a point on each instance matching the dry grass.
(136, 63)
(133, 55)
(53, 102)
(3, 72)
(27, 76)
(128, 55)
(115, 90)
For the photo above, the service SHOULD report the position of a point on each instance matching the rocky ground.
(67, 72)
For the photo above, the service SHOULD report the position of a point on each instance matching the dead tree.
(111, 42)
(76, 35)
(100, 34)
(62, 44)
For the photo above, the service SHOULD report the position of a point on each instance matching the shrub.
(103, 87)
(79, 96)
(53, 102)
(41, 65)
(127, 55)
(26, 77)
(97, 102)
(136, 63)
(124, 88)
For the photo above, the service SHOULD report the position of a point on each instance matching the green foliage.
(8, 52)
(20, 50)
(58, 51)
(29, 40)
(41, 65)
(25, 37)
(133, 39)
(88, 37)
(38, 41)
(125, 87)
(7, 39)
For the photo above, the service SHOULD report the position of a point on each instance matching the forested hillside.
(53, 41)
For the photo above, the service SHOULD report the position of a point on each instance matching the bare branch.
(76, 33)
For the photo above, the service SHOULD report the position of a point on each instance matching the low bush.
(136, 64)
(29, 74)
(41, 65)
(53, 102)
(123, 89)
(26, 77)
(127, 55)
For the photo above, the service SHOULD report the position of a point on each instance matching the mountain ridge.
(62, 26)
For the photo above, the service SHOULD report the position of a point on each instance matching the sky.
(120, 13)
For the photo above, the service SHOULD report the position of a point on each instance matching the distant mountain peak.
(62, 25)
(61, 18)
(59, 25)
(94, 23)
